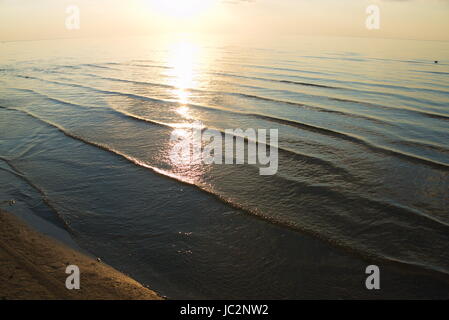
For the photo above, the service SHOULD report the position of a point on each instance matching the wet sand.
(32, 266)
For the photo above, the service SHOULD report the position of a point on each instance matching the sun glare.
(182, 8)
(183, 60)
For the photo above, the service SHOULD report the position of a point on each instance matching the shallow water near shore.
(363, 126)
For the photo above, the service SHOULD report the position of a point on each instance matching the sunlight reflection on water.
(184, 58)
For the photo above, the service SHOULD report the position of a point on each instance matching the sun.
(182, 8)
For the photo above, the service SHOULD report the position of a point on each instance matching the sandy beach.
(32, 266)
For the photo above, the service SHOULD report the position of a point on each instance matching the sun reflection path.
(184, 111)
(184, 61)
(184, 56)
(183, 156)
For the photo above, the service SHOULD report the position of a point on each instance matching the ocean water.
(363, 177)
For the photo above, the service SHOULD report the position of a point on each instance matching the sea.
(86, 144)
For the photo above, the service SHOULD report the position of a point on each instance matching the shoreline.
(33, 265)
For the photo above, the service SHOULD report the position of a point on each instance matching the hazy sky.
(42, 19)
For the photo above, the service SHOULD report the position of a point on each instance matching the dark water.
(363, 178)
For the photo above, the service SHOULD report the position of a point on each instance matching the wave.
(398, 210)
(433, 72)
(97, 66)
(301, 125)
(350, 89)
(282, 150)
(358, 102)
(349, 84)
(307, 84)
(290, 153)
(420, 144)
(429, 114)
(251, 96)
(420, 112)
(44, 196)
(333, 58)
(434, 115)
(281, 69)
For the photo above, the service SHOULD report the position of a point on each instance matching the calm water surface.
(363, 176)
